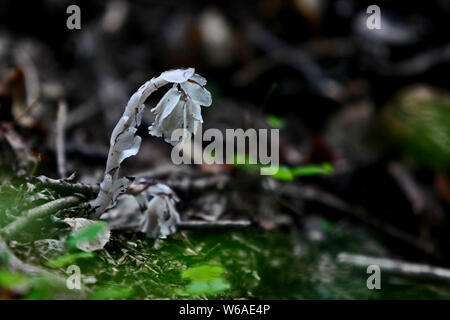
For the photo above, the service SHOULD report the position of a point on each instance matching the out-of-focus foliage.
(418, 121)
(12, 280)
(69, 258)
(275, 122)
(18, 197)
(205, 280)
(109, 292)
(227, 265)
(87, 238)
(284, 173)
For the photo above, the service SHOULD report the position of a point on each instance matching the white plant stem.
(179, 108)
(124, 132)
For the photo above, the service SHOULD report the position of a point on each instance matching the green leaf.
(218, 285)
(203, 272)
(12, 280)
(43, 288)
(284, 173)
(275, 122)
(88, 233)
(69, 259)
(417, 125)
(243, 161)
(39, 294)
(205, 280)
(4, 258)
(311, 170)
(112, 292)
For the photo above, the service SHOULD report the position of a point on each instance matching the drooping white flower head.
(160, 216)
(148, 206)
(180, 108)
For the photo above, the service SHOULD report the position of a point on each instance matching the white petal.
(197, 93)
(159, 188)
(177, 75)
(131, 147)
(195, 111)
(173, 121)
(167, 103)
(199, 79)
(155, 130)
(153, 216)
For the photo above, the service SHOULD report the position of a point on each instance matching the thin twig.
(186, 225)
(395, 266)
(417, 64)
(409, 187)
(218, 181)
(36, 165)
(82, 113)
(315, 194)
(15, 263)
(60, 130)
(23, 158)
(30, 72)
(46, 209)
(25, 111)
(160, 171)
(65, 186)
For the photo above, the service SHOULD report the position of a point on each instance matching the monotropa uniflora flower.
(180, 107)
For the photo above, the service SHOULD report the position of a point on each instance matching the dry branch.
(37, 212)
(395, 266)
(60, 130)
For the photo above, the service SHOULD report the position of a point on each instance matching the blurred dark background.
(372, 102)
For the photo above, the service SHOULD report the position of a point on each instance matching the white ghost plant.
(160, 217)
(178, 108)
